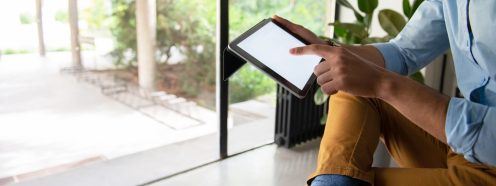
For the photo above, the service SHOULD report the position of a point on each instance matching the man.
(437, 140)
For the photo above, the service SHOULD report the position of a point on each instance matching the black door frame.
(222, 87)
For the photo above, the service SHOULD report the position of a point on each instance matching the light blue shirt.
(468, 27)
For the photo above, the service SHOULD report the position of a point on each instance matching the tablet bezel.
(233, 46)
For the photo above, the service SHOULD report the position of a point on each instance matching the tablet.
(266, 46)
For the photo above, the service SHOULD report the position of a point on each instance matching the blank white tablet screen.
(270, 45)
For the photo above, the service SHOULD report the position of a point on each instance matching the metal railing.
(153, 104)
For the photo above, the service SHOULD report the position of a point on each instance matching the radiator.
(297, 120)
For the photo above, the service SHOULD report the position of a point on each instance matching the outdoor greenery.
(61, 16)
(26, 18)
(9, 51)
(186, 29)
(95, 16)
(123, 28)
(359, 31)
(185, 26)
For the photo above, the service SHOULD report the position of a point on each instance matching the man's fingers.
(314, 49)
(285, 23)
(321, 68)
(281, 20)
(329, 88)
(324, 78)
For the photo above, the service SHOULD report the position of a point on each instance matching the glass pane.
(253, 94)
(54, 117)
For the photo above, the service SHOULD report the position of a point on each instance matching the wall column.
(73, 23)
(39, 23)
(146, 31)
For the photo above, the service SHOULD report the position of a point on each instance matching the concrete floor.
(49, 119)
(153, 166)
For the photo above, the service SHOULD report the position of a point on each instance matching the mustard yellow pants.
(353, 129)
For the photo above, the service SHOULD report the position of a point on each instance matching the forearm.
(420, 104)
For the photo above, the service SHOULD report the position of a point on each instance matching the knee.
(349, 99)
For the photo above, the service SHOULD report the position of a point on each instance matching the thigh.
(411, 176)
(408, 144)
(463, 172)
(460, 172)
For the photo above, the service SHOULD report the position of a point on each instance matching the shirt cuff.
(484, 150)
(393, 60)
(463, 123)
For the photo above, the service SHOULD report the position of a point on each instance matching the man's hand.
(299, 30)
(344, 70)
(348, 71)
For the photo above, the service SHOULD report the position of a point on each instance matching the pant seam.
(359, 138)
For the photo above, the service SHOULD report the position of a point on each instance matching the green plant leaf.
(367, 6)
(407, 9)
(357, 30)
(376, 39)
(351, 39)
(415, 5)
(417, 76)
(368, 21)
(391, 21)
(359, 17)
(319, 97)
(340, 31)
(323, 119)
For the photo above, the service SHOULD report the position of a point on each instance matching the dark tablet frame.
(233, 47)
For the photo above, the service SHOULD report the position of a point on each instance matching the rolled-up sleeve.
(422, 39)
(471, 130)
